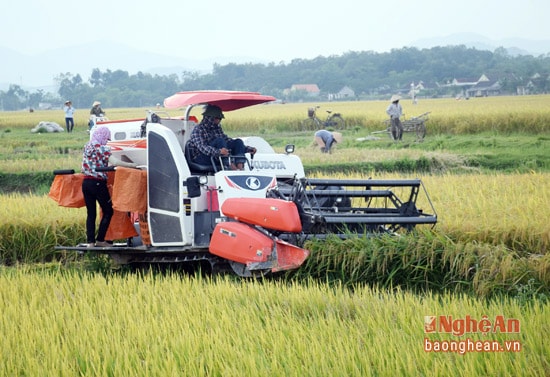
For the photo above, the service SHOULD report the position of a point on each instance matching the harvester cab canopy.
(227, 100)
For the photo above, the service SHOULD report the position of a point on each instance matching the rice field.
(356, 308)
(490, 214)
(447, 115)
(483, 243)
(57, 323)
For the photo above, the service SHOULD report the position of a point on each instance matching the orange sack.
(66, 190)
(121, 227)
(129, 192)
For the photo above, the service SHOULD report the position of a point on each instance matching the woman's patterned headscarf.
(101, 136)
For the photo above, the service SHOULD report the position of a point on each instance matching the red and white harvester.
(252, 221)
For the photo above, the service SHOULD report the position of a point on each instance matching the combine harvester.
(254, 221)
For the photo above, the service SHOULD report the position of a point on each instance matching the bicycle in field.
(312, 122)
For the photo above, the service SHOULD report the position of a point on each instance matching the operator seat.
(197, 168)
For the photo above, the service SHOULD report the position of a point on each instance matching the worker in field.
(209, 140)
(95, 112)
(96, 109)
(395, 111)
(326, 139)
(97, 154)
(69, 115)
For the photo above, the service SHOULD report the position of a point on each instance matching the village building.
(484, 89)
(311, 89)
(345, 93)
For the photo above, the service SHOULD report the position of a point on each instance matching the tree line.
(369, 74)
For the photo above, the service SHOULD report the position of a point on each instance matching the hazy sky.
(272, 30)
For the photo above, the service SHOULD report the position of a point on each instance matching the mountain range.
(33, 72)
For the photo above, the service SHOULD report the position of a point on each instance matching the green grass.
(22, 152)
(505, 134)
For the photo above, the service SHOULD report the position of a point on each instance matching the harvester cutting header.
(255, 220)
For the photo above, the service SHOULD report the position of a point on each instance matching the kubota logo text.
(279, 165)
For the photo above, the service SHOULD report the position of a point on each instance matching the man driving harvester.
(208, 140)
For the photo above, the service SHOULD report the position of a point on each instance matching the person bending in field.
(97, 154)
(326, 139)
(395, 111)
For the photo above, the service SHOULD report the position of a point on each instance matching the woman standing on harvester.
(97, 154)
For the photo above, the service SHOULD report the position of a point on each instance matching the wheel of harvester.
(337, 122)
(309, 124)
(420, 131)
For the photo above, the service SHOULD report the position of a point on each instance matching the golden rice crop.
(503, 113)
(506, 114)
(20, 209)
(497, 209)
(74, 323)
(31, 226)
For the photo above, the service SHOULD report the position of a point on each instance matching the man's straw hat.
(395, 97)
(337, 136)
